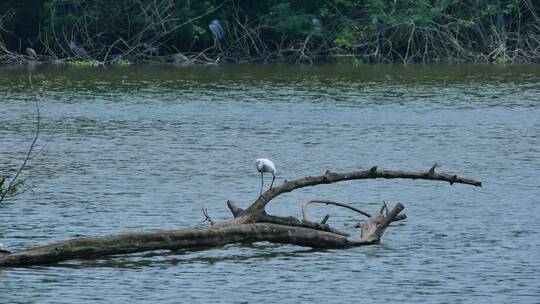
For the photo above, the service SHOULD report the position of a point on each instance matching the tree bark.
(247, 226)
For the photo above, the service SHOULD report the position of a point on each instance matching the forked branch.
(327, 202)
(250, 225)
(373, 173)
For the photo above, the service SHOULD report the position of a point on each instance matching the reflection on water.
(144, 148)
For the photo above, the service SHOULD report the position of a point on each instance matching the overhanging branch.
(373, 173)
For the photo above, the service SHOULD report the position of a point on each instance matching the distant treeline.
(268, 31)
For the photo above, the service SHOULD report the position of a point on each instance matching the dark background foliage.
(279, 31)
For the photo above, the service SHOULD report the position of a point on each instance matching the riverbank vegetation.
(186, 32)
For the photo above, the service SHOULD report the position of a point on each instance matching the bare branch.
(234, 209)
(390, 217)
(207, 217)
(325, 219)
(305, 204)
(28, 154)
(432, 169)
(332, 177)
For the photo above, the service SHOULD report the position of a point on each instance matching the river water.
(144, 148)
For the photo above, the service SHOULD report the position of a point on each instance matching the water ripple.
(145, 148)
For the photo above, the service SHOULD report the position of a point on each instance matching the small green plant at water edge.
(350, 60)
(83, 63)
(500, 60)
(357, 61)
(123, 62)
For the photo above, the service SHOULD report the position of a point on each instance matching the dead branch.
(373, 229)
(373, 173)
(266, 218)
(305, 204)
(247, 226)
(28, 155)
(207, 217)
(326, 202)
(208, 237)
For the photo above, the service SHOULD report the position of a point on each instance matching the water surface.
(144, 148)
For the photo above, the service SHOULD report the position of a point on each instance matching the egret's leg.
(273, 179)
(262, 182)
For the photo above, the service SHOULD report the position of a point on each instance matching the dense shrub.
(275, 31)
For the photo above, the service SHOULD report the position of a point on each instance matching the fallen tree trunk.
(247, 226)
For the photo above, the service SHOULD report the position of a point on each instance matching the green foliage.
(345, 39)
(375, 8)
(500, 60)
(84, 63)
(421, 28)
(289, 23)
(357, 61)
(123, 62)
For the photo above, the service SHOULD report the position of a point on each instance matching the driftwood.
(250, 225)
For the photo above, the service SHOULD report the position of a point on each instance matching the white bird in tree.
(266, 165)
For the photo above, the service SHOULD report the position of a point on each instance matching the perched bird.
(31, 53)
(217, 29)
(317, 23)
(379, 24)
(78, 50)
(266, 165)
(181, 59)
(151, 49)
(4, 249)
(117, 58)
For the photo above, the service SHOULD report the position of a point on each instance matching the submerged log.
(247, 226)
(204, 237)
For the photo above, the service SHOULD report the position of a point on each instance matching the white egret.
(266, 165)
